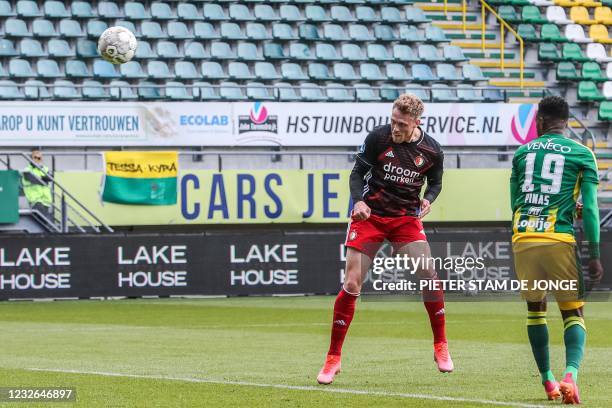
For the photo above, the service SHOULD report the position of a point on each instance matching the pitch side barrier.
(228, 263)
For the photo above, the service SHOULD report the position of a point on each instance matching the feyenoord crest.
(419, 160)
(352, 235)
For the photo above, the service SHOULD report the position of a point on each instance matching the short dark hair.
(553, 107)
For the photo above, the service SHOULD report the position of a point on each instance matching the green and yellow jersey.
(547, 176)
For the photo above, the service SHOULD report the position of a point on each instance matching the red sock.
(344, 309)
(434, 303)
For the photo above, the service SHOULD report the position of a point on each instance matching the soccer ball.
(117, 45)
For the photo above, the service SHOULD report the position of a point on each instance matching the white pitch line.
(295, 387)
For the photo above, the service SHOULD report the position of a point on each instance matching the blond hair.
(409, 104)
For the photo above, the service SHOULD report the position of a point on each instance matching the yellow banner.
(141, 164)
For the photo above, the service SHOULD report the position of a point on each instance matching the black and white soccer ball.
(117, 45)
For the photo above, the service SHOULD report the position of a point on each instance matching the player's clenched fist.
(361, 211)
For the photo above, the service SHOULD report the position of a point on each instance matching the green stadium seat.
(527, 32)
(6, 10)
(466, 93)
(81, 9)
(359, 32)
(309, 32)
(290, 13)
(338, 93)
(493, 95)
(95, 28)
(402, 52)
(108, 9)
(152, 30)
(158, 70)
(28, 8)
(365, 93)
(193, 51)
(549, 52)
(239, 71)
(286, 92)
(326, 52)
(89, 49)
(342, 14)
(257, 31)
(185, 70)
(473, 73)
(573, 52)
(70, 29)
(453, 53)
(418, 91)
(266, 71)
(319, 72)
(257, 91)
(508, 14)
(231, 91)
(345, 72)
(389, 92)
(429, 53)
(588, 92)
(273, 51)
(132, 70)
(291, 71)
(316, 14)
(204, 91)
(144, 51)
(47, 68)
(435, 34)
(442, 93)
(178, 31)
(391, 15)
(126, 24)
(265, 12)
(312, 92)
(410, 33)
(188, 12)
(284, 32)
(104, 69)
(77, 69)
(371, 72)
(63, 89)
(94, 90)
(397, 72)
(162, 11)
(240, 12)
(551, 33)
(55, 9)
(415, 15)
(7, 48)
(31, 48)
(367, 15)
(35, 89)
(14, 27)
(352, 52)
(605, 111)
(20, 68)
(422, 73)
(136, 11)
(300, 52)
(448, 72)
(231, 31)
(177, 91)
(205, 31)
(214, 12)
(168, 50)
(591, 71)
(9, 90)
(531, 14)
(567, 71)
(334, 32)
(222, 51)
(384, 33)
(378, 52)
(248, 52)
(149, 91)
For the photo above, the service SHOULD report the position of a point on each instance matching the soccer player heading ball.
(547, 175)
(386, 182)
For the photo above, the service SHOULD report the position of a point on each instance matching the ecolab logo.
(258, 120)
(399, 174)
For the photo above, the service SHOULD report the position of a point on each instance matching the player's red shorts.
(367, 236)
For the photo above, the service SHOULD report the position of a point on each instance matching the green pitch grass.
(219, 352)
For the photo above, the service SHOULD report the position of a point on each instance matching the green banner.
(288, 196)
(9, 196)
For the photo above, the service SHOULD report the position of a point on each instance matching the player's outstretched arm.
(361, 211)
(434, 186)
(590, 219)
